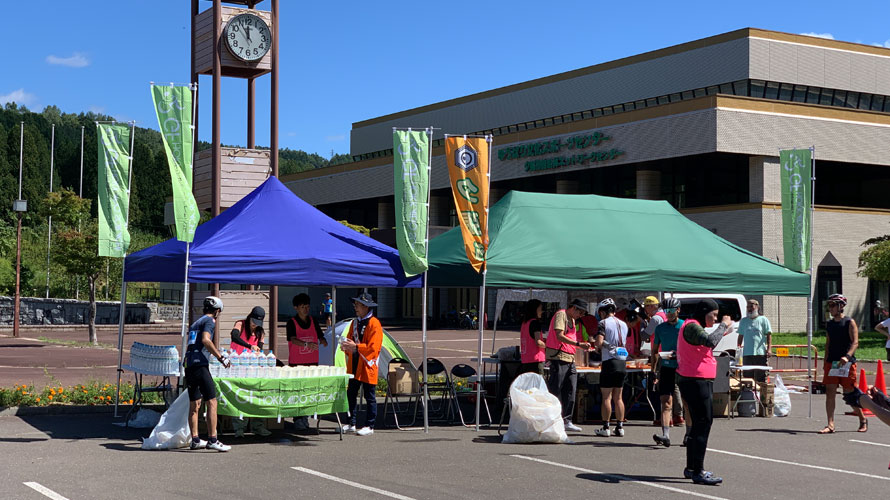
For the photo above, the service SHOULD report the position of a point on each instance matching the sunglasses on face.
(670, 310)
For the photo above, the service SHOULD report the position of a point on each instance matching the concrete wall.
(37, 311)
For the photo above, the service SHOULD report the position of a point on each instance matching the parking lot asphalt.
(87, 456)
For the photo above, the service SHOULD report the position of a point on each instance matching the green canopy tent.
(598, 242)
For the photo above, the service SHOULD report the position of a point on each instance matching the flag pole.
(80, 194)
(810, 295)
(424, 298)
(481, 312)
(123, 309)
(185, 281)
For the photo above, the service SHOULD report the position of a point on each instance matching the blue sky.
(343, 62)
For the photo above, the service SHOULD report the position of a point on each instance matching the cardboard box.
(721, 404)
(581, 400)
(766, 388)
(766, 410)
(403, 381)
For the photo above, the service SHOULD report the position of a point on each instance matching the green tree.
(874, 261)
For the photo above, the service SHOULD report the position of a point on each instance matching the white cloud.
(78, 60)
(19, 97)
(335, 138)
(828, 36)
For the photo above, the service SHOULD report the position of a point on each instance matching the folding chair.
(392, 397)
(464, 372)
(443, 388)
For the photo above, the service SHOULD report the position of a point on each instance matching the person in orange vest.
(303, 338)
(531, 338)
(362, 347)
(247, 335)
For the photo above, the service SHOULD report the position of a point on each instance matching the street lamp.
(20, 206)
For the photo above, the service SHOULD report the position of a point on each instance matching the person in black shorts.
(197, 374)
(664, 339)
(611, 337)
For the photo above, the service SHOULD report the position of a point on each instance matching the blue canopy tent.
(272, 237)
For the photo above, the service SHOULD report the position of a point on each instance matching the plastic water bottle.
(254, 365)
(236, 365)
(270, 364)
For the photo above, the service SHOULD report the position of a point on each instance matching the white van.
(732, 305)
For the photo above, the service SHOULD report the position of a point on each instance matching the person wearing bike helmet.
(610, 340)
(664, 339)
(841, 341)
(197, 374)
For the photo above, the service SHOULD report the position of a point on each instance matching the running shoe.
(348, 428)
(619, 431)
(364, 431)
(200, 445)
(603, 432)
(705, 477)
(218, 446)
(661, 440)
(570, 426)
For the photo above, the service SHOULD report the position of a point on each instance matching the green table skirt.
(272, 398)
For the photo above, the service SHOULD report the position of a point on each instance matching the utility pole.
(19, 206)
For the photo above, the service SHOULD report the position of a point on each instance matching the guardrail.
(792, 358)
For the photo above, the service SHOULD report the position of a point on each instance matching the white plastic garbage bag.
(535, 414)
(782, 399)
(172, 430)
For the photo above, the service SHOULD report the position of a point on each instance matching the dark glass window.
(726, 88)
(687, 94)
(785, 92)
(840, 98)
(675, 97)
(651, 102)
(663, 99)
(852, 99)
(712, 90)
(800, 93)
(877, 103)
(864, 101)
(826, 98)
(548, 122)
(640, 104)
(813, 95)
(757, 88)
(772, 90)
(699, 92)
(597, 113)
(607, 111)
(740, 87)
(587, 114)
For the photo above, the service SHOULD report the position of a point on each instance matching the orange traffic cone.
(880, 383)
(863, 386)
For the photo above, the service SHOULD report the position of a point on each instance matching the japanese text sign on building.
(468, 171)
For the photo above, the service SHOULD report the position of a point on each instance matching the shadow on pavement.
(22, 440)
(83, 427)
(620, 478)
(792, 432)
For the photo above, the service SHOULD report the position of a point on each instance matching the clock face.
(248, 37)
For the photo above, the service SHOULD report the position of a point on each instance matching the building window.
(852, 99)
(726, 88)
(785, 92)
(813, 95)
(687, 94)
(772, 90)
(740, 87)
(757, 88)
(800, 93)
(864, 101)
(877, 103)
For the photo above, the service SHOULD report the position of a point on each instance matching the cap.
(366, 299)
(257, 315)
(650, 301)
(579, 304)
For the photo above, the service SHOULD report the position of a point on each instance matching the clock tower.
(235, 39)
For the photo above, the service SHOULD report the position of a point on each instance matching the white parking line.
(44, 491)
(869, 442)
(798, 464)
(350, 483)
(619, 477)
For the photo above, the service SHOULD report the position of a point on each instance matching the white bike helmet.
(213, 302)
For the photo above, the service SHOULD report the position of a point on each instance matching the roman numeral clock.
(234, 39)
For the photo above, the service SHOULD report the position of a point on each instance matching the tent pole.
(333, 323)
(185, 314)
(810, 295)
(120, 321)
(426, 394)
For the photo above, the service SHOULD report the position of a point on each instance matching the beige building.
(698, 124)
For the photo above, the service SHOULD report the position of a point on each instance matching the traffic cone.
(880, 383)
(863, 386)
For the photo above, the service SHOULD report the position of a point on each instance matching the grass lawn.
(871, 344)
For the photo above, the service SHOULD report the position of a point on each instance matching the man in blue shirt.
(755, 333)
(665, 340)
(327, 308)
